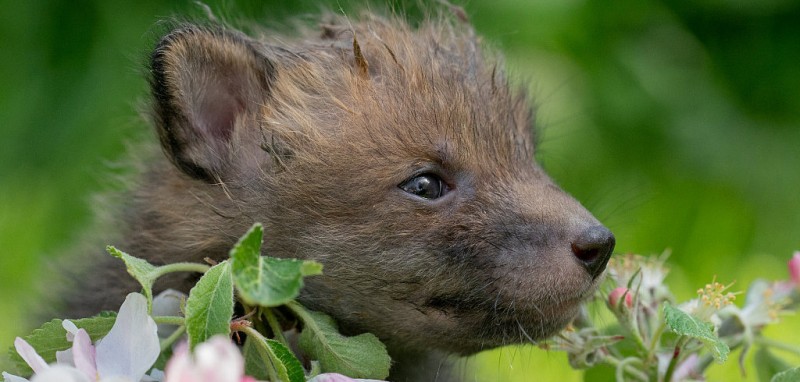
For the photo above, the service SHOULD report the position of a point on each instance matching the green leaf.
(141, 270)
(209, 307)
(768, 365)
(791, 375)
(683, 324)
(259, 352)
(267, 281)
(293, 368)
(52, 337)
(255, 359)
(362, 356)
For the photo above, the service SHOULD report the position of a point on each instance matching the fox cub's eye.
(428, 186)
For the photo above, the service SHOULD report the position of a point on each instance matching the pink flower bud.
(794, 268)
(616, 294)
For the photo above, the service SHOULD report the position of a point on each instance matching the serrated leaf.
(267, 281)
(52, 337)
(260, 352)
(768, 365)
(140, 269)
(361, 356)
(791, 375)
(683, 324)
(254, 364)
(209, 308)
(292, 366)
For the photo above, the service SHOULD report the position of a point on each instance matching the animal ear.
(206, 84)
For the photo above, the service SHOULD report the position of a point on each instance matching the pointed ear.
(206, 83)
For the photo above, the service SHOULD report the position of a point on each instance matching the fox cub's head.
(398, 157)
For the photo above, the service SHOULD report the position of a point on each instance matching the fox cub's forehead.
(434, 85)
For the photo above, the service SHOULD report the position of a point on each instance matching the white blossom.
(333, 377)
(125, 354)
(216, 360)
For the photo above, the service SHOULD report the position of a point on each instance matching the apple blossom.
(216, 360)
(763, 304)
(615, 296)
(712, 299)
(643, 274)
(126, 353)
(333, 377)
(168, 303)
(794, 269)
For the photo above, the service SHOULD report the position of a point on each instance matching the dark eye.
(428, 186)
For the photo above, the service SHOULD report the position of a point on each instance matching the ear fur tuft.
(205, 82)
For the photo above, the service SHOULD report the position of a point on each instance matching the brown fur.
(312, 137)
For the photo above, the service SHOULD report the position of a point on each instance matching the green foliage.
(210, 305)
(146, 273)
(685, 325)
(362, 356)
(791, 375)
(768, 365)
(209, 310)
(267, 281)
(683, 341)
(255, 359)
(291, 370)
(141, 270)
(52, 337)
(262, 354)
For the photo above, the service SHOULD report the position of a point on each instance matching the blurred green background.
(676, 122)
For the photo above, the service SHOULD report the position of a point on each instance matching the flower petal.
(13, 378)
(31, 357)
(131, 346)
(180, 367)
(168, 303)
(116, 379)
(794, 268)
(617, 294)
(71, 329)
(333, 377)
(216, 360)
(219, 360)
(60, 373)
(83, 354)
(65, 357)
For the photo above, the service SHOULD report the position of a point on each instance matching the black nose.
(593, 247)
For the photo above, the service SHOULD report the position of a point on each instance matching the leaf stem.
(676, 353)
(277, 331)
(656, 338)
(167, 342)
(170, 320)
(178, 267)
(632, 318)
(261, 342)
(625, 365)
(308, 321)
